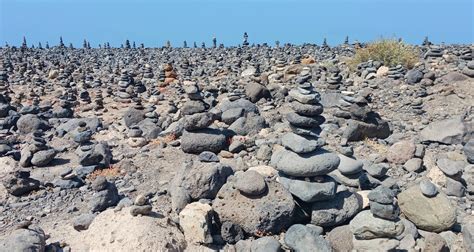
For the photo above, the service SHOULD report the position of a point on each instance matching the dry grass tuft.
(390, 52)
(166, 139)
(375, 146)
(110, 172)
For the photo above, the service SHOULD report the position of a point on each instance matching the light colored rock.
(340, 238)
(401, 152)
(264, 170)
(365, 199)
(119, 231)
(319, 162)
(382, 71)
(366, 226)
(450, 131)
(195, 220)
(433, 214)
(375, 245)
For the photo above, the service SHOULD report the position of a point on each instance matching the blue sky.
(155, 22)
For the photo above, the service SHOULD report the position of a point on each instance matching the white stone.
(195, 220)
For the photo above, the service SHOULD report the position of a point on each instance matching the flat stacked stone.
(162, 76)
(297, 59)
(469, 69)
(396, 72)
(434, 52)
(97, 83)
(426, 42)
(280, 63)
(64, 110)
(84, 96)
(170, 74)
(467, 54)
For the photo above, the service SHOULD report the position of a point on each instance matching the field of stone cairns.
(354, 147)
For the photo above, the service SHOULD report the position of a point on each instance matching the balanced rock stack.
(362, 122)
(125, 87)
(306, 116)
(469, 69)
(467, 54)
(98, 101)
(382, 222)
(303, 164)
(4, 90)
(434, 52)
(136, 138)
(197, 137)
(65, 110)
(147, 73)
(170, 74)
(334, 80)
(396, 72)
(37, 153)
(195, 103)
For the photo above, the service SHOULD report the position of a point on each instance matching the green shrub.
(390, 52)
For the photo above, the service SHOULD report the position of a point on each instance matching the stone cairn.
(245, 42)
(4, 88)
(467, 54)
(303, 163)
(65, 107)
(385, 212)
(125, 88)
(362, 122)
(36, 152)
(197, 135)
(98, 100)
(434, 52)
(135, 137)
(469, 69)
(91, 155)
(170, 74)
(396, 72)
(334, 80)
(147, 73)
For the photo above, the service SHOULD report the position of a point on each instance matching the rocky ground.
(250, 148)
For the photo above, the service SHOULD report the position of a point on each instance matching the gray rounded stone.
(366, 226)
(298, 143)
(319, 162)
(310, 191)
(302, 238)
(348, 166)
(43, 158)
(336, 211)
(427, 188)
(250, 183)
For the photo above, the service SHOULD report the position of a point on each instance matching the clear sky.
(295, 21)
